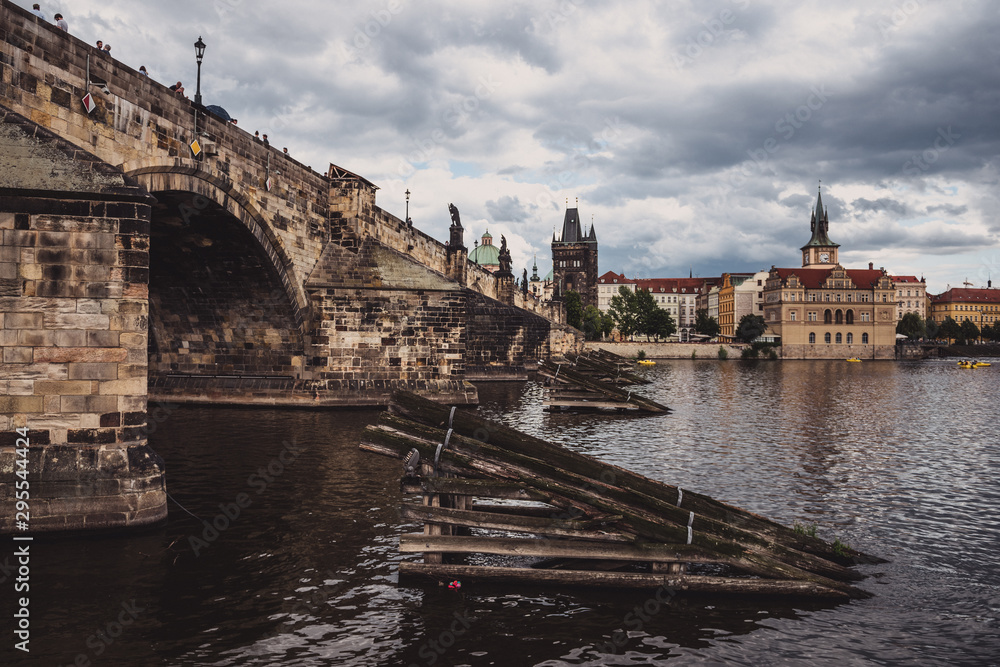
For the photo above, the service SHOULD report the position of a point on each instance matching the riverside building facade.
(825, 311)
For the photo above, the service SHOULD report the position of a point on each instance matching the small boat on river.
(855, 360)
(646, 362)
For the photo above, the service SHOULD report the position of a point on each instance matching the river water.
(899, 460)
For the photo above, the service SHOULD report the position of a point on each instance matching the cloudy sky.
(693, 134)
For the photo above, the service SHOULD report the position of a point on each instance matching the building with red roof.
(677, 296)
(825, 311)
(981, 306)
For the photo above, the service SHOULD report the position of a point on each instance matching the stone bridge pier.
(136, 274)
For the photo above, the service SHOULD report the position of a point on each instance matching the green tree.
(623, 311)
(637, 313)
(990, 333)
(596, 325)
(645, 313)
(949, 329)
(750, 328)
(930, 328)
(706, 325)
(661, 324)
(969, 331)
(574, 309)
(911, 326)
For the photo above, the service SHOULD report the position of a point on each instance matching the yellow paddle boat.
(973, 364)
(646, 362)
(855, 360)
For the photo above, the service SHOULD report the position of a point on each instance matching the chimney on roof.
(871, 265)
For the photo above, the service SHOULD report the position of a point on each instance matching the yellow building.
(824, 311)
(982, 306)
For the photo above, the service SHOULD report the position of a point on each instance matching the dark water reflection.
(899, 460)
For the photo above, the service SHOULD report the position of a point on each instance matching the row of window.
(830, 317)
(976, 308)
(827, 338)
(849, 297)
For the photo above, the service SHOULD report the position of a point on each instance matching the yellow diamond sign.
(195, 148)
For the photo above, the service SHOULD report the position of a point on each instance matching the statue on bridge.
(455, 219)
(524, 283)
(504, 258)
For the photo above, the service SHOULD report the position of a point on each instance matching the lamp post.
(199, 53)
(407, 193)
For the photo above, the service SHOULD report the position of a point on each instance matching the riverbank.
(669, 350)
(987, 350)
(733, 351)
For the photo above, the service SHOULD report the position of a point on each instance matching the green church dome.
(485, 255)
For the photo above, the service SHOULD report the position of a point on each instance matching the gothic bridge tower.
(574, 259)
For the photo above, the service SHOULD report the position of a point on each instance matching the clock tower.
(820, 252)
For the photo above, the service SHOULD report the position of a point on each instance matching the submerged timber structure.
(595, 381)
(585, 522)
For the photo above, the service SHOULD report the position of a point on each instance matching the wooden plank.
(468, 574)
(470, 424)
(582, 530)
(485, 488)
(520, 510)
(590, 405)
(649, 517)
(644, 516)
(561, 394)
(564, 374)
(618, 370)
(552, 548)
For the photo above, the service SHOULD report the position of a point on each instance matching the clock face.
(824, 257)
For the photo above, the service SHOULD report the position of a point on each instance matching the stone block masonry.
(73, 315)
(502, 342)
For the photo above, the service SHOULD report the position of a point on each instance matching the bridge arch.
(159, 179)
(223, 297)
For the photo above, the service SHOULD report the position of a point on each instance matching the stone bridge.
(134, 270)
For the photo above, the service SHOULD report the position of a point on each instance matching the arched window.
(826, 336)
(840, 338)
(812, 338)
(850, 319)
(850, 338)
(864, 339)
(840, 316)
(828, 317)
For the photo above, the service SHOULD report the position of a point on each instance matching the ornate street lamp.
(407, 193)
(199, 53)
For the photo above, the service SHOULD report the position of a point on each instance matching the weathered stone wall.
(833, 351)
(73, 317)
(564, 339)
(384, 321)
(217, 306)
(502, 343)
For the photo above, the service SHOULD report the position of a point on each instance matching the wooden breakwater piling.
(595, 381)
(585, 522)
